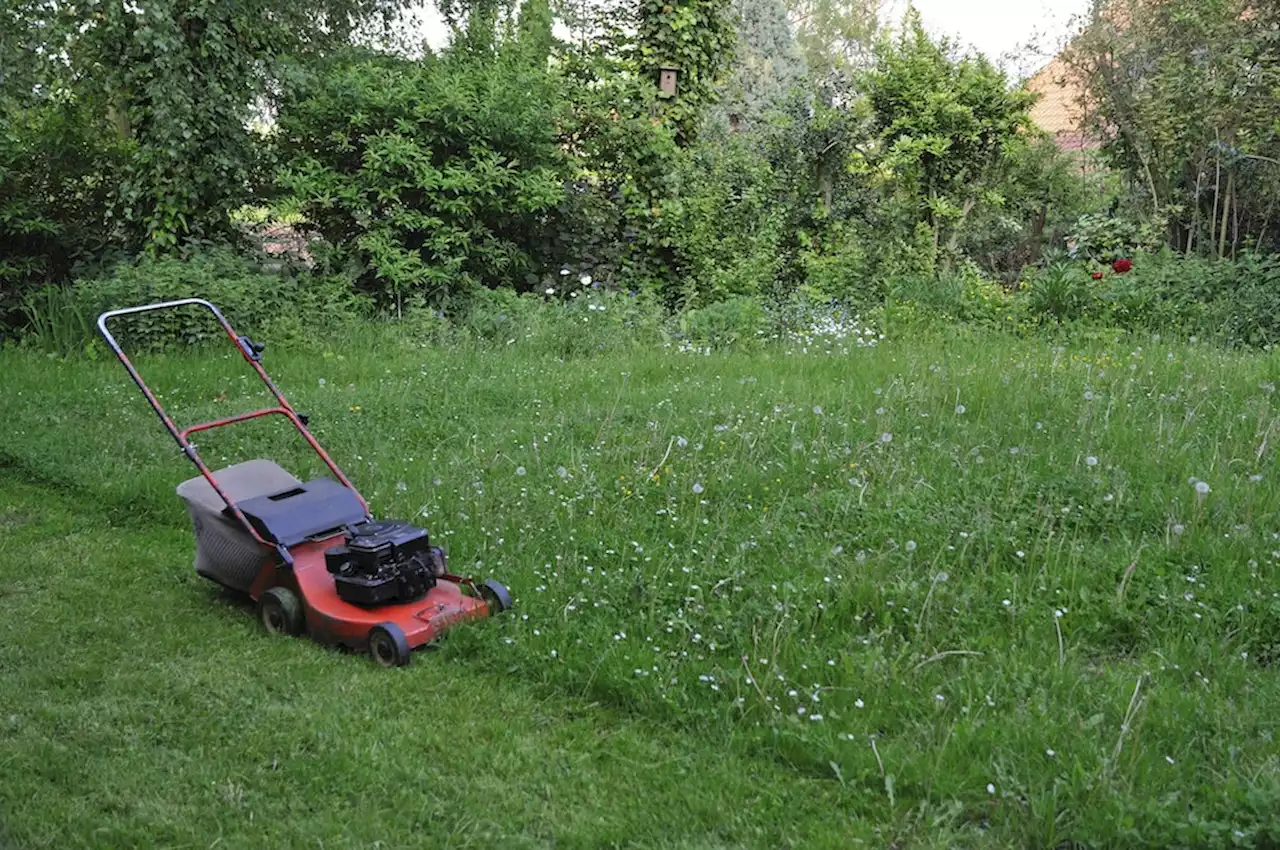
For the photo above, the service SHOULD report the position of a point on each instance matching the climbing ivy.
(698, 39)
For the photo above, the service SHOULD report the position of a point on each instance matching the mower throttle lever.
(252, 349)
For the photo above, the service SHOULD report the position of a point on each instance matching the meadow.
(946, 590)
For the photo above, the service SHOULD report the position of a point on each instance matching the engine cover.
(384, 563)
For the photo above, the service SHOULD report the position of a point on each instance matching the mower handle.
(252, 353)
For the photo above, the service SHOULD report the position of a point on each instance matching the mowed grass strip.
(991, 590)
(143, 708)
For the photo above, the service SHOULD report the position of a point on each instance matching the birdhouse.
(667, 79)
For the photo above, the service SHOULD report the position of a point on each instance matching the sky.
(999, 27)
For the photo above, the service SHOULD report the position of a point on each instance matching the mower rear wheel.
(280, 612)
(388, 646)
(495, 596)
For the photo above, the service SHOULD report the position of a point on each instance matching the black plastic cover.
(291, 516)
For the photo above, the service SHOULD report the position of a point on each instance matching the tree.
(835, 36)
(944, 128)
(175, 82)
(697, 39)
(1184, 94)
(768, 66)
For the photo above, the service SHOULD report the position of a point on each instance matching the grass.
(946, 592)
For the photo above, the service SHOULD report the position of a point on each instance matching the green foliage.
(738, 322)
(1062, 293)
(697, 38)
(946, 129)
(965, 297)
(175, 85)
(835, 36)
(437, 176)
(767, 67)
(840, 267)
(56, 170)
(622, 172)
(1184, 95)
(725, 226)
(278, 307)
(1105, 238)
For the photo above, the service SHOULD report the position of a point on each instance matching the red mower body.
(310, 555)
(332, 620)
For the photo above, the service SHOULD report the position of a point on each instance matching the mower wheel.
(388, 646)
(280, 612)
(495, 595)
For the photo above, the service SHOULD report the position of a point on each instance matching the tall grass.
(1019, 588)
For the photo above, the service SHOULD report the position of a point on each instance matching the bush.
(726, 225)
(438, 176)
(965, 297)
(738, 322)
(277, 307)
(839, 269)
(55, 181)
(589, 321)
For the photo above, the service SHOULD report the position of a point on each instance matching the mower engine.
(384, 562)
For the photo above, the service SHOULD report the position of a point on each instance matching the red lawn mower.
(311, 555)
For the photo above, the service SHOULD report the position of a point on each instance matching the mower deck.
(331, 620)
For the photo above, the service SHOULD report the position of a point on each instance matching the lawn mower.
(310, 555)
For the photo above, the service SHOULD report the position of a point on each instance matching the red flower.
(1097, 275)
(1122, 266)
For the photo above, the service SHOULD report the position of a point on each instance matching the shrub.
(839, 269)
(1061, 293)
(726, 225)
(438, 175)
(277, 307)
(966, 297)
(55, 181)
(737, 322)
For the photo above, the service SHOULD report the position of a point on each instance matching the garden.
(866, 469)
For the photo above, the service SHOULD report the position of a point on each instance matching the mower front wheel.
(388, 646)
(496, 597)
(280, 612)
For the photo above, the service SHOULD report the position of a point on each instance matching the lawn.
(938, 592)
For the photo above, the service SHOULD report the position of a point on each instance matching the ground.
(936, 592)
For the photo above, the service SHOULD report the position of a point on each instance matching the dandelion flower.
(991, 789)
(1091, 461)
(911, 546)
(520, 470)
(886, 437)
(1202, 488)
(960, 408)
(697, 488)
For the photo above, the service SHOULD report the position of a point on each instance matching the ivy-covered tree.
(697, 39)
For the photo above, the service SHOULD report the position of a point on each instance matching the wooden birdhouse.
(667, 80)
